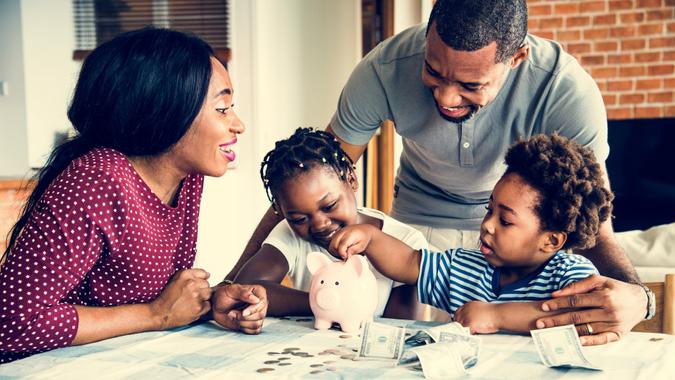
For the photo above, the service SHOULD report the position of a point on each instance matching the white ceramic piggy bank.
(344, 291)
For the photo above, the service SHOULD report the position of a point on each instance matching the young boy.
(552, 197)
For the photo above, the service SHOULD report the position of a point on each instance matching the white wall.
(290, 61)
(13, 135)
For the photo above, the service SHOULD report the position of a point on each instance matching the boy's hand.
(351, 240)
(480, 317)
(240, 307)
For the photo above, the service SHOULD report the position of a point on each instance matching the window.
(98, 21)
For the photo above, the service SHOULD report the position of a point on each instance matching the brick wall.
(12, 196)
(628, 47)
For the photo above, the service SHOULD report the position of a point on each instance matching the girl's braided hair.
(304, 150)
(573, 197)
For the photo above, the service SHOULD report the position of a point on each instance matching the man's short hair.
(469, 25)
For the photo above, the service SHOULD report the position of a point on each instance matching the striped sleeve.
(433, 283)
(577, 268)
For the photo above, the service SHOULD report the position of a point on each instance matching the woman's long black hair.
(138, 93)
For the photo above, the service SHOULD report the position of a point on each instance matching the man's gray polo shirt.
(447, 170)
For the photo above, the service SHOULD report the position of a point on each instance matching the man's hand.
(611, 308)
(240, 307)
(480, 317)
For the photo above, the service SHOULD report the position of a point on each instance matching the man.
(460, 92)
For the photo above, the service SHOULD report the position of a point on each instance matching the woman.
(106, 242)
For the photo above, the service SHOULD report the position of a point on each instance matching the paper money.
(467, 346)
(381, 342)
(440, 360)
(560, 346)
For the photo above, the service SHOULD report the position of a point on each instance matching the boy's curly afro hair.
(572, 193)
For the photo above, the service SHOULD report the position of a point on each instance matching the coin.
(329, 362)
(271, 362)
(348, 357)
(316, 372)
(285, 363)
(273, 353)
(284, 358)
(263, 370)
(344, 336)
(655, 339)
(316, 365)
(332, 369)
(291, 349)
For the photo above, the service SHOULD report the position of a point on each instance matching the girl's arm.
(268, 268)
(390, 256)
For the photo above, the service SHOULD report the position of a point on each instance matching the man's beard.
(473, 109)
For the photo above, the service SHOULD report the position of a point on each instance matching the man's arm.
(353, 151)
(267, 224)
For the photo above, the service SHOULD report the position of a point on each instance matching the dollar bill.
(381, 342)
(467, 346)
(560, 347)
(440, 360)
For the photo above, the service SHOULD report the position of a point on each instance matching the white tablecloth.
(207, 351)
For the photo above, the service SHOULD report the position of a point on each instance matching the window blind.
(98, 21)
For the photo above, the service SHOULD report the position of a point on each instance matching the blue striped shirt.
(449, 279)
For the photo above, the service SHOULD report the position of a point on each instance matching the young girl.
(552, 197)
(107, 240)
(310, 180)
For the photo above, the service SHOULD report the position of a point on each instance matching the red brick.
(669, 111)
(661, 69)
(578, 21)
(592, 6)
(660, 97)
(669, 55)
(532, 24)
(669, 83)
(662, 14)
(670, 3)
(539, 10)
(605, 46)
(671, 27)
(566, 8)
(648, 57)
(579, 48)
(622, 31)
(631, 98)
(567, 35)
(662, 42)
(592, 60)
(544, 34)
(647, 29)
(609, 99)
(596, 34)
(620, 113)
(648, 112)
(649, 3)
(620, 85)
(633, 44)
(604, 19)
(647, 84)
(632, 71)
(551, 23)
(620, 4)
(631, 18)
(619, 58)
(604, 72)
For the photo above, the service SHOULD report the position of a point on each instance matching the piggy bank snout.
(327, 298)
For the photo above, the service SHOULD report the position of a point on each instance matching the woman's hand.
(351, 240)
(611, 308)
(184, 299)
(480, 317)
(240, 307)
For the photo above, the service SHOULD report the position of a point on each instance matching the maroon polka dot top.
(98, 237)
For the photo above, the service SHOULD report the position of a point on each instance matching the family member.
(311, 182)
(551, 198)
(460, 90)
(107, 240)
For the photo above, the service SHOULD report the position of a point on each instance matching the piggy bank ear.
(358, 263)
(316, 260)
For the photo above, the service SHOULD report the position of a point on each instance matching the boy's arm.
(484, 318)
(390, 256)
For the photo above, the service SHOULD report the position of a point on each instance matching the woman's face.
(207, 147)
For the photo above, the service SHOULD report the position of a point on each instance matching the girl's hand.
(184, 299)
(480, 317)
(351, 240)
(240, 307)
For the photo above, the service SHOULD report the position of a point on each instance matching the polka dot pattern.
(98, 237)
